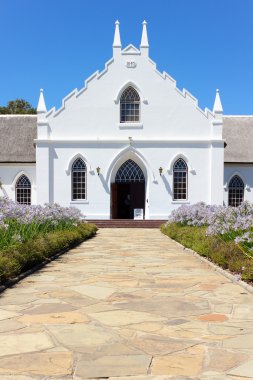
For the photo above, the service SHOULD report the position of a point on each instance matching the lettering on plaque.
(131, 64)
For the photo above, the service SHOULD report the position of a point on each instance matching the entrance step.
(127, 223)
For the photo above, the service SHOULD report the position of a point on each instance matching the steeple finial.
(116, 41)
(42, 122)
(144, 37)
(217, 107)
(41, 108)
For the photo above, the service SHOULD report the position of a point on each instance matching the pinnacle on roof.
(41, 108)
(217, 107)
(116, 41)
(144, 37)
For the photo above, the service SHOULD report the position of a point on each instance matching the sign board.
(138, 213)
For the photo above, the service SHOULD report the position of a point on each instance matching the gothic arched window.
(23, 190)
(180, 174)
(129, 172)
(235, 191)
(79, 191)
(130, 106)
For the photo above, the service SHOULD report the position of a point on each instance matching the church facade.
(128, 144)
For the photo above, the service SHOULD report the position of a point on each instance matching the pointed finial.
(41, 108)
(116, 41)
(144, 37)
(217, 108)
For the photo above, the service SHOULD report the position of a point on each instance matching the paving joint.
(130, 304)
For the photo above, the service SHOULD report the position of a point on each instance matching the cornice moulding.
(130, 126)
(217, 122)
(116, 141)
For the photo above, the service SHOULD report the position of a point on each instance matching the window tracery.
(129, 172)
(235, 191)
(180, 180)
(79, 180)
(23, 190)
(130, 106)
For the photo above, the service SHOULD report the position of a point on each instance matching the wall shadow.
(167, 185)
(104, 183)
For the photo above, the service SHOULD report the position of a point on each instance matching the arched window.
(180, 174)
(130, 106)
(79, 190)
(23, 190)
(129, 172)
(235, 191)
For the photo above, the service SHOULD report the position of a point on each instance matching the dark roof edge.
(237, 115)
(18, 114)
(17, 162)
(238, 162)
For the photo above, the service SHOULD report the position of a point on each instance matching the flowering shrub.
(18, 223)
(195, 215)
(230, 223)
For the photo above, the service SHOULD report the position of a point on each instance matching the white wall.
(109, 156)
(88, 124)
(9, 173)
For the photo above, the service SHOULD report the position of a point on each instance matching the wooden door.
(114, 201)
(138, 196)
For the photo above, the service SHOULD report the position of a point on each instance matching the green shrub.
(23, 256)
(225, 254)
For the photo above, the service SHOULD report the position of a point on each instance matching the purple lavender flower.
(233, 222)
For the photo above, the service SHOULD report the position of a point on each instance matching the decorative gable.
(94, 110)
(130, 49)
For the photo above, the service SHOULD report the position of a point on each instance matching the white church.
(129, 142)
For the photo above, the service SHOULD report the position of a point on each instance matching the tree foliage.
(18, 106)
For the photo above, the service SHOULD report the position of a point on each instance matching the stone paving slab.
(129, 304)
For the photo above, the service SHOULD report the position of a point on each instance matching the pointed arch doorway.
(128, 191)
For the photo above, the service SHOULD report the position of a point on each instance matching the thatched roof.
(17, 133)
(238, 133)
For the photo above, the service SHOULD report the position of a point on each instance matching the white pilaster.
(216, 173)
(217, 154)
(43, 173)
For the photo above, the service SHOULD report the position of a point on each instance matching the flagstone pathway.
(128, 304)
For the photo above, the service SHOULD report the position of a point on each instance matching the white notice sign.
(138, 213)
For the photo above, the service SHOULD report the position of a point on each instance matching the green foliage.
(223, 253)
(18, 232)
(3, 110)
(18, 106)
(18, 259)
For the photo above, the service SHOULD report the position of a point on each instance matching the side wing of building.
(238, 160)
(18, 155)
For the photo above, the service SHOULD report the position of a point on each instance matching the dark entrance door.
(125, 198)
(128, 191)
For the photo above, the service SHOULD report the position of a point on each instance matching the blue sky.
(56, 44)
